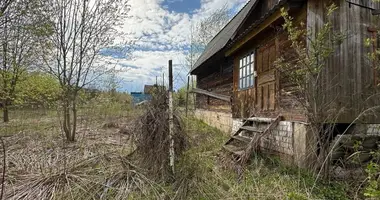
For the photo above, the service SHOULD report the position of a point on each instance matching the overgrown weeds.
(265, 178)
(100, 166)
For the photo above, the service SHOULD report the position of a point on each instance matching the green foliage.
(180, 98)
(38, 89)
(372, 188)
(373, 176)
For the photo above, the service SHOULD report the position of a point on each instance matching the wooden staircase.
(247, 138)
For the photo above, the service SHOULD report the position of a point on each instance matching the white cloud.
(160, 35)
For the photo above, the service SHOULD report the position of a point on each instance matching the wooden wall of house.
(349, 78)
(272, 93)
(216, 79)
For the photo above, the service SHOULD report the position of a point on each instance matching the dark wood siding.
(217, 79)
(272, 94)
(348, 79)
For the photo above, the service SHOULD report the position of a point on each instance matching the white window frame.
(247, 71)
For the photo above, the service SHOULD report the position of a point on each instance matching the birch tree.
(81, 28)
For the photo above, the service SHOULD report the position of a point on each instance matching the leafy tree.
(81, 28)
(38, 89)
(180, 97)
(20, 26)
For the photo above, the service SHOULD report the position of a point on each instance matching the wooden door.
(266, 77)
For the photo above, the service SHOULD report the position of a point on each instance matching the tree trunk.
(66, 120)
(70, 120)
(5, 112)
(74, 128)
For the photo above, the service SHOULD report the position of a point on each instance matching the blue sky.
(184, 6)
(159, 30)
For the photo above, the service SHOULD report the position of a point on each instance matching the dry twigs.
(153, 137)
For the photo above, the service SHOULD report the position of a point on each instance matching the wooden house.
(237, 78)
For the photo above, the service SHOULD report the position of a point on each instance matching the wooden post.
(171, 119)
(187, 94)
(192, 87)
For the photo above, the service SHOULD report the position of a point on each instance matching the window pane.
(252, 69)
(246, 71)
(240, 84)
(241, 63)
(252, 57)
(251, 80)
(241, 72)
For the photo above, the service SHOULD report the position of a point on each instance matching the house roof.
(148, 89)
(224, 36)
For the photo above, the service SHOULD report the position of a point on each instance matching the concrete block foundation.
(289, 139)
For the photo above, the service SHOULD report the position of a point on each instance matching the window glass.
(247, 71)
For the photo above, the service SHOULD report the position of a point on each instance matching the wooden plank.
(265, 60)
(265, 97)
(211, 94)
(272, 93)
(255, 142)
(242, 138)
(266, 77)
(239, 151)
(259, 62)
(250, 128)
(272, 55)
(261, 119)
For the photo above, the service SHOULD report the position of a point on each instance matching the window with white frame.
(247, 71)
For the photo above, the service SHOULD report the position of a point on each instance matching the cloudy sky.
(161, 31)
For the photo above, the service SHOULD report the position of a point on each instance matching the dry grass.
(40, 165)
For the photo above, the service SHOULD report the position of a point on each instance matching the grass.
(40, 165)
(265, 178)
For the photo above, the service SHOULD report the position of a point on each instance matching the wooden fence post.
(171, 120)
(187, 94)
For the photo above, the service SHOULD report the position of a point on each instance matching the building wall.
(216, 79)
(272, 94)
(289, 140)
(349, 78)
(220, 120)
